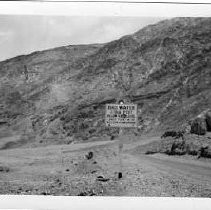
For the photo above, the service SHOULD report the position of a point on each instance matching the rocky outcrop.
(201, 124)
(208, 120)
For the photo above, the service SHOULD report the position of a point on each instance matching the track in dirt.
(173, 166)
(196, 169)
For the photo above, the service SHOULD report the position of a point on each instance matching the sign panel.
(121, 115)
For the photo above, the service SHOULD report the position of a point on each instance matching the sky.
(23, 34)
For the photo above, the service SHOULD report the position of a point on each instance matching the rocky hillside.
(61, 93)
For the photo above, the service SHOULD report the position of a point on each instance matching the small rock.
(88, 193)
(82, 194)
(4, 169)
(92, 193)
(89, 155)
(119, 175)
(67, 169)
(112, 137)
(102, 179)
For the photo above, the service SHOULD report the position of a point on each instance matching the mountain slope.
(164, 68)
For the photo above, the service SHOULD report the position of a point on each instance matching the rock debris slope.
(60, 94)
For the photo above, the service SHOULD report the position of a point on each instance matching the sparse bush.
(92, 130)
(175, 134)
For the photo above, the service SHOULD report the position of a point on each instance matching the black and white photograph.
(105, 105)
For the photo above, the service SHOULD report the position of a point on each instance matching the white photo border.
(88, 8)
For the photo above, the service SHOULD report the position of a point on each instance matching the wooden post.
(120, 153)
(120, 148)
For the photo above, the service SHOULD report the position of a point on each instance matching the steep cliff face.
(164, 68)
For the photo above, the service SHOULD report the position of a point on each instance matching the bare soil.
(66, 170)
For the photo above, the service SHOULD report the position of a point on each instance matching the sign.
(121, 115)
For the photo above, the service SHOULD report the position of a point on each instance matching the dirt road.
(65, 170)
(191, 168)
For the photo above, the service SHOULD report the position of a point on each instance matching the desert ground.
(67, 170)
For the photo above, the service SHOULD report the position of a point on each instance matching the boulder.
(205, 152)
(202, 123)
(178, 148)
(199, 126)
(208, 120)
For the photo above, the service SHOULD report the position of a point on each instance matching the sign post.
(121, 116)
(120, 153)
